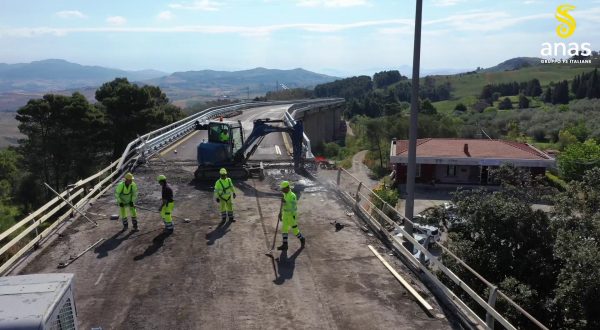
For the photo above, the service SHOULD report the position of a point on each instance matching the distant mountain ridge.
(56, 74)
(258, 79)
(514, 64)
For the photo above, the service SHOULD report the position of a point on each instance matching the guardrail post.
(339, 174)
(489, 319)
(358, 196)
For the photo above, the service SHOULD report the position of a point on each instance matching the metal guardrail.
(290, 116)
(354, 192)
(88, 190)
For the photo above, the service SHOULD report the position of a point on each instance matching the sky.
(339, 37)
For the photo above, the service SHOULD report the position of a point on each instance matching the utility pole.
(248, 93)
(414, 112)
(277, 85)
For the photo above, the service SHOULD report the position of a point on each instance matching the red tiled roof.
(455, 148)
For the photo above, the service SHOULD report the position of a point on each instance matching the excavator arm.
(263, 127)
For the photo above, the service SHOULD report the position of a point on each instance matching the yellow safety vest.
(224, 189)
(290, 203)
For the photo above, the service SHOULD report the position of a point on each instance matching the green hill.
(467, 86)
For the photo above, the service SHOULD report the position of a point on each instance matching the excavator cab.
(224, 140)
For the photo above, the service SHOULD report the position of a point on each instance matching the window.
(418, 171)
(451, 170)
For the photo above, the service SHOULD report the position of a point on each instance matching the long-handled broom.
(270, 253)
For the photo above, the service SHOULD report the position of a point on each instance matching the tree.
(10, 178)
(428, 108)
(386, 78)
(534, 88)
(576, 220)
(504, 238)
(460, 107)
(486, 93)
(560, 94)
(523, 102)
(505, 104)
(577, 158)
(496, 96)
(566, 138)
(64, 138)
(548, 95)
(132, 110)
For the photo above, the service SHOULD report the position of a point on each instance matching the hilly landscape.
(23, 81)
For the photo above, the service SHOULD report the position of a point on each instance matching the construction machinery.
(228, 148)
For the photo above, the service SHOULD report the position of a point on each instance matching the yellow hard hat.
(284, 184)
(161, 178)
(128, 176)
(223, 171)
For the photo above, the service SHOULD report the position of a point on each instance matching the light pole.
(414, 112)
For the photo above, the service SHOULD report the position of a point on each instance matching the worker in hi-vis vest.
(224, 135)
(224, 195)
(289, 216)
(166, 208)
(126, 194)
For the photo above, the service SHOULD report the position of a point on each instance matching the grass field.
(471, 84)
(9, 132)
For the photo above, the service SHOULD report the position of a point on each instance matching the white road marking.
(277, 150)
(99, 278)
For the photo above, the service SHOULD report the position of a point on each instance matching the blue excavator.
(227, 148)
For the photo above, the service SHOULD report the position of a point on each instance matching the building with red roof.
(465, 161)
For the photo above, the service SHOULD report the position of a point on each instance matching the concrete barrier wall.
(322, 124)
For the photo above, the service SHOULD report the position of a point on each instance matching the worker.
(224, 194)
(166, 208)
(224, 136)
(288, 215)
(126, 194)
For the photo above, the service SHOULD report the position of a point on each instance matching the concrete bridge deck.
(211, 276)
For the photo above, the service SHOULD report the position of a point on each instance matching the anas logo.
(568, 23)
(553, 52)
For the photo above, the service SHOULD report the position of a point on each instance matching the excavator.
(227, 148)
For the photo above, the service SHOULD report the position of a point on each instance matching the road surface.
(208, 275)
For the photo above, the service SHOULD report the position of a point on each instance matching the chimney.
(466, 150)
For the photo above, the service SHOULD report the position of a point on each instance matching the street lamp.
(414, 112)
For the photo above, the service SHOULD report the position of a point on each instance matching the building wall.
(464, 174)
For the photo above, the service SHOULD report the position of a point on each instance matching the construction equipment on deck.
(37, 301)
(227, 148)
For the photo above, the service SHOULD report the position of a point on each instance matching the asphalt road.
(209, 275)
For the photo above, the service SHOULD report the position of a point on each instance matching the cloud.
(331, 3)
(165, 16)
(484, 21)
(70, 14)
(116, 20)
(204, 5)
(206, 29)
(446, 3)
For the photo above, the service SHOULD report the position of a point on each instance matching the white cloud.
(331, 3)
(446, 3)
(165, 16)
(207, 29)
(116, 20)
(484, 21)
(204, 5)
(70, 14)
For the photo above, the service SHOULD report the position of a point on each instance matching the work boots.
(302, 241)
(135, 224)
(283, 247)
